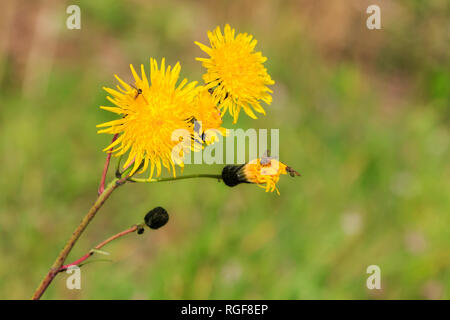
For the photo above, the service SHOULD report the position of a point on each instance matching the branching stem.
(114, 184)
(99, 246)
(102, 197)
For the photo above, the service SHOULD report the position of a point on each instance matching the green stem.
(188, 176)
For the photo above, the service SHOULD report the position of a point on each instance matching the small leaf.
(100, 252)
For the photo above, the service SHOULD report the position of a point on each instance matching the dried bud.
(156, 218)
(140, 230)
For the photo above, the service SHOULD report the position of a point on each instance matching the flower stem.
(101, 188)
(99, 246)
(114, 184)
(188, 176)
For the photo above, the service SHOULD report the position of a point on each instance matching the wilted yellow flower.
(264, 172)
(151, 112)
(235, 73)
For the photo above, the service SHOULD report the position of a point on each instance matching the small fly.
(292, 172)
(138, 93)
(266, 159)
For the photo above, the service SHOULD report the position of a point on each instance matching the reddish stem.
(101, 188)
(99, 246)
(132, 162)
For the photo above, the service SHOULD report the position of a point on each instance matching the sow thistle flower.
(151, 111)
(235, 73)
(160, 121)
(265, 172)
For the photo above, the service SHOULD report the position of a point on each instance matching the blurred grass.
(363, 115)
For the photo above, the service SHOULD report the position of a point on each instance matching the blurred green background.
(363, 115)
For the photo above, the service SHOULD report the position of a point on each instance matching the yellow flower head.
(151, 111)
(236, 75)
(264, 172)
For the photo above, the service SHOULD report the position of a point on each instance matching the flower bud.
(156, 218)
(232, 175)
(265, 172)
(140, 229)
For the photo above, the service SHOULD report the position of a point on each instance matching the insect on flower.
(292, 172)
(265, 159)
(138, 92)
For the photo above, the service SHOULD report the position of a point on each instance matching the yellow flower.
(151, 111)
(264, 172)
(207, 119)
(236, 74)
